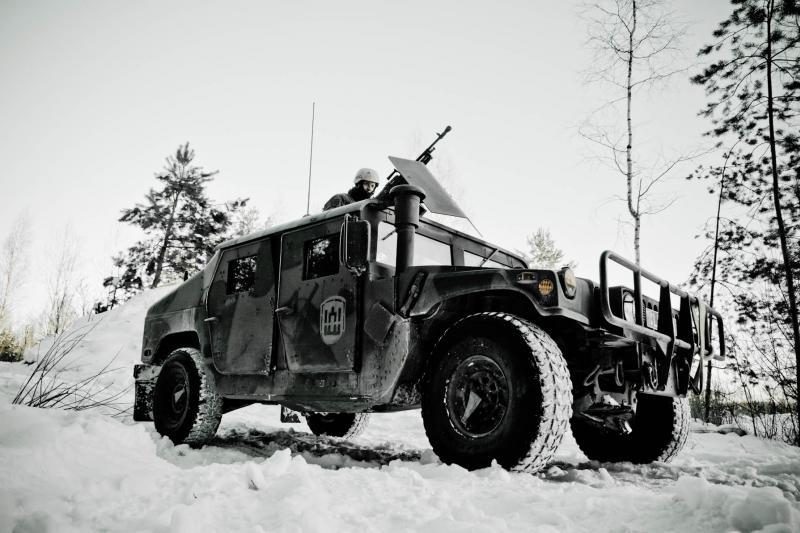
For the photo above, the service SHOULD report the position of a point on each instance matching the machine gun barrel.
(427, 155)
(424, 158)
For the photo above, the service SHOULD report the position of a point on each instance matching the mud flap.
(143, 401)
(145, 376)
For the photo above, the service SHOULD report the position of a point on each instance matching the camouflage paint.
(241, 323)
(301, 300)
(270, 344)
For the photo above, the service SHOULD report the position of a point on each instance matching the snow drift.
(68, 471)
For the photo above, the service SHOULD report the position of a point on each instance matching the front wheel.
(659, 431)
(186, 406)
(345, 425)
(499, 391)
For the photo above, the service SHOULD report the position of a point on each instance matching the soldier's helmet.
(367, 174)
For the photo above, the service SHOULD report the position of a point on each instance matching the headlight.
(569, 282)
(628, 307)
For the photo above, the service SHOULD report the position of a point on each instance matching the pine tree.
(543, 252)
(181, 225)
(754, 94)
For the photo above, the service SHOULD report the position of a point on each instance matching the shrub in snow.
(47, 388)
(10, 349)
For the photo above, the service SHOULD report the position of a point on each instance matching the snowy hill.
(111, 340)
(68, 471)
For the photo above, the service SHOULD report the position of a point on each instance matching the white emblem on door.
(331, 319)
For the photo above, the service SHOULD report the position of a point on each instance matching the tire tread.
(549, 367)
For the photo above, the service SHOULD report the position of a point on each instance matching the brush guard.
(681, 338)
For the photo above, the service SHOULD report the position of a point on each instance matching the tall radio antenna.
(310, 159)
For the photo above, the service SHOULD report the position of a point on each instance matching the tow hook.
(622, 425)
(611, 415)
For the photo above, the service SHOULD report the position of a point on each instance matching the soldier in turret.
(366, 181)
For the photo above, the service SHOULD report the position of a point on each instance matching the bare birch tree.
(62, 285)
(13, 263)
(636, 44)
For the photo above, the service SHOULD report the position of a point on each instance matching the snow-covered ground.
(84, 471)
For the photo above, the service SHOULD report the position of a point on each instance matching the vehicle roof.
(355, 207)
(300, 222)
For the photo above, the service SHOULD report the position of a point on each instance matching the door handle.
(285, 310)
(211, 320)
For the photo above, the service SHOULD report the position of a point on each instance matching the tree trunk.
(167, 236)
(5, 296)
(787, 259)
(629, 148)
(714, 281)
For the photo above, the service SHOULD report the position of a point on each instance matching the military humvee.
(371, 307)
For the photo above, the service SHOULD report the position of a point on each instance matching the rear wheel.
(345, 425)
(500, 391)
(659, 431)
(186, 406)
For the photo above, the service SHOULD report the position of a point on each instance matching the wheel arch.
(432, 328)
(173, 341)
(477, 322)
(455, 308)
(452, 310)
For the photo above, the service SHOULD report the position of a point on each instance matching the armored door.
(317, 301)
(240, 310)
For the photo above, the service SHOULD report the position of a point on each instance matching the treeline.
(67, 295)
(771, 419)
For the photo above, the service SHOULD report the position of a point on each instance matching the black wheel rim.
(175, 399)
(477, 396)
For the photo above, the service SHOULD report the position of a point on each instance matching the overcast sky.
(95, 94)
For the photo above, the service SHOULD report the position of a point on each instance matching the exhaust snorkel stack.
(406, 217)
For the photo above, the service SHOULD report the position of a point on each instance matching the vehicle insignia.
(331, 319)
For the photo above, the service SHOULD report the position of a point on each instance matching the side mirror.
(354, 245)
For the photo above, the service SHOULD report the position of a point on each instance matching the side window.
(429, 251)
(321, 257)
(241, 274)
(387, 244)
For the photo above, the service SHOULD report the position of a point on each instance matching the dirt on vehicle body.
(371, 308)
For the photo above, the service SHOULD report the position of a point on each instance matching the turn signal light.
(546, 286)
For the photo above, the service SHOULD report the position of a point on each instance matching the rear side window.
(241, 274)
(321, 257)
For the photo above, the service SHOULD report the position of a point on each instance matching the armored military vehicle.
(373, 307)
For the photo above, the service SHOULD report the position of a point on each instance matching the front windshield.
(474, 260)
(427, 251)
